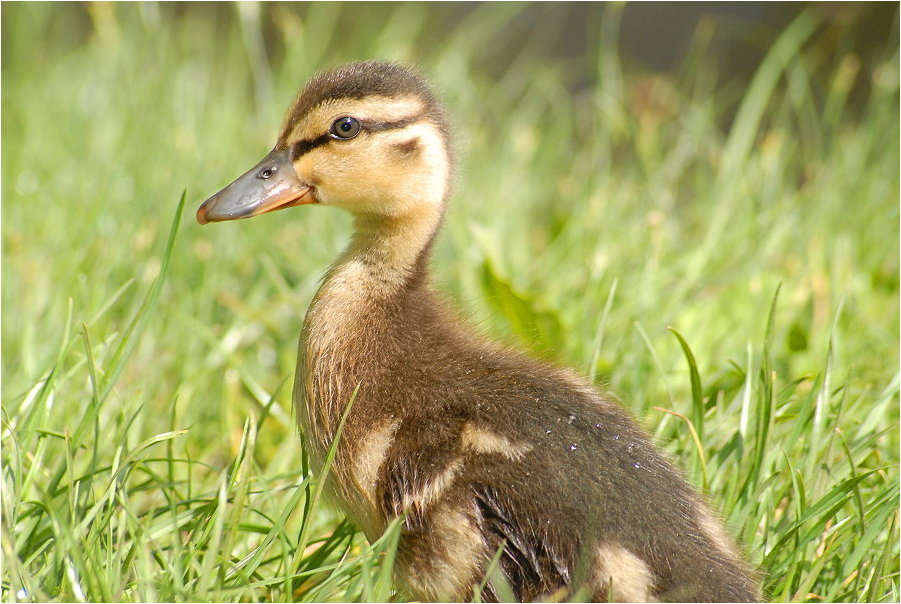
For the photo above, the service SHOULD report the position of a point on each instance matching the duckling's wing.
(419, 468)
(529, 561)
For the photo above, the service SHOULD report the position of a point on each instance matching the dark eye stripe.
(305, 146)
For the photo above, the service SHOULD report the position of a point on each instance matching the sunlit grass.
(720, 255)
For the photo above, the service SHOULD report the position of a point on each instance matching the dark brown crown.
(365, 79)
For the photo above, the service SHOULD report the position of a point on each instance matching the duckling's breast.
(343, 353)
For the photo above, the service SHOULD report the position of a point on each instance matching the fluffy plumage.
(477, 446)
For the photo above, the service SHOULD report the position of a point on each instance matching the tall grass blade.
(132, 333)
(697, 393)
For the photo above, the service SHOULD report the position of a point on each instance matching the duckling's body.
(479, 447)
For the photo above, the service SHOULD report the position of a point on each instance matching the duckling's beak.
(270, 185)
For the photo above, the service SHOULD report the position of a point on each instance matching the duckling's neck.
(386, 252)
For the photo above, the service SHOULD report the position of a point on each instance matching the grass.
(720, 254)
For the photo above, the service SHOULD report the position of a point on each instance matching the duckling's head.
(368, 137)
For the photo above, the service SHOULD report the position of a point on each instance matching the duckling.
(482, 451)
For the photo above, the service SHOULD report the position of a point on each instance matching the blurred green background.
(624, 168)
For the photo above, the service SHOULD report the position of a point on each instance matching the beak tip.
(201, 214)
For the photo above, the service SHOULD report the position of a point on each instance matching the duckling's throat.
(387, 252)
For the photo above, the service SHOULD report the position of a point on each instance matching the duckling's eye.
(345, 127)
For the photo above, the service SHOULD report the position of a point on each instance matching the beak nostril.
(267, 172)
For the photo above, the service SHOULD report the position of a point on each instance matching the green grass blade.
(133, 332)
(697, 393)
